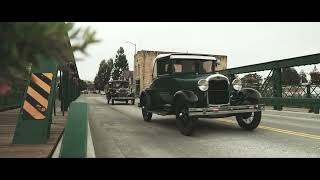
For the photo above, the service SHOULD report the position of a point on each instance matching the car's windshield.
(118, 85)
(193, 66)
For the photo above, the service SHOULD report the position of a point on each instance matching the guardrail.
(74, 143)
(13, 99)
(274, 92)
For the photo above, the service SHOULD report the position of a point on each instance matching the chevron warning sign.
(36, 102)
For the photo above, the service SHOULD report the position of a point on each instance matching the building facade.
(143, 68)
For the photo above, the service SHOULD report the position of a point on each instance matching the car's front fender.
(188, 96)
(247, 96)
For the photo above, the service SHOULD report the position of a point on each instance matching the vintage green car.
(187, 86)
(118, 90)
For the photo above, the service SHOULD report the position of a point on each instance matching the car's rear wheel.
(249, 121)
(146, 103)
(126, 101)
(112, 101)
(185, 123)
(132, 102)
(147, 116)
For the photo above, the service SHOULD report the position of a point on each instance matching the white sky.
(243, 43)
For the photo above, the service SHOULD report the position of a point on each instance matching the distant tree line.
(290, 76)
(111, 69)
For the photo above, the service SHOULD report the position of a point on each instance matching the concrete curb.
(293, 114)
(90, 147)
(57, 150)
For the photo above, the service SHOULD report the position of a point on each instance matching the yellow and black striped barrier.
(33, 126)
(36, 103)
(35, 118)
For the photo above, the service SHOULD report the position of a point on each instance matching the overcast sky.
(243, 43)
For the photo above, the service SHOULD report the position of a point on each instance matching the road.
(118, 131)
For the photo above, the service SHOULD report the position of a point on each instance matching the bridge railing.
(14, 98)
(277, 94)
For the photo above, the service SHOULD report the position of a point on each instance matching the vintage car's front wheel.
(185, 123)
(147, 116)
(249, 121)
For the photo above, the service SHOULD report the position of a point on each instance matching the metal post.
(316, 109)
(54, 107)
(277, 87)
(308, 91)
(65, 90)
(61, 93)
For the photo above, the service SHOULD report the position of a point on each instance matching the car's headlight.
(203, 84)
(237, 85)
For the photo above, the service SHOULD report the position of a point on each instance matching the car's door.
(162, 83)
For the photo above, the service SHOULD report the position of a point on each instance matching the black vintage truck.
(187, 86)
(118, 90)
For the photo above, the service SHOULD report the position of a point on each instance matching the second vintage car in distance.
(118, 90)
(188, 86)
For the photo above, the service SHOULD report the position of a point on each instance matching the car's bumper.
(123, 98)
(225, 110)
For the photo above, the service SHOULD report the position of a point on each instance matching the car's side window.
(177, 68)
(163, 66)
(185, 66)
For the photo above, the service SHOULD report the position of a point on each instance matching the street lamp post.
(135, 46)
(135, 52)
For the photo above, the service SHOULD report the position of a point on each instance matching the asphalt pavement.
(118, 131)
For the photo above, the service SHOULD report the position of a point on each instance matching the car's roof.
(186, 56)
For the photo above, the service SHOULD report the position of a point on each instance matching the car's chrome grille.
(218, 92)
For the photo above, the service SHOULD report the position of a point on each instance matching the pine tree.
(120, 64)
(104, 74)
(315, 76)
(99, 79)
(290, 76)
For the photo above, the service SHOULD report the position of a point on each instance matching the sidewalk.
(8, 120)
(291, 109)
